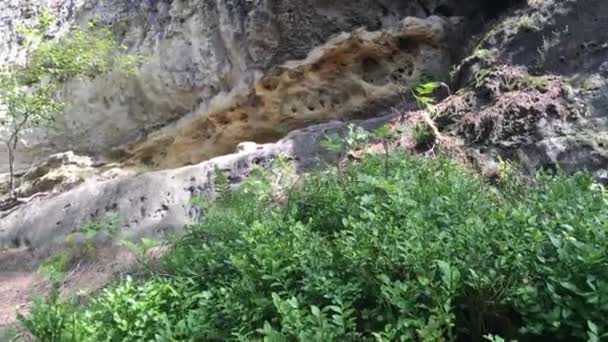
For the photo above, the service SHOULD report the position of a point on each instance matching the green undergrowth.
(391, 248)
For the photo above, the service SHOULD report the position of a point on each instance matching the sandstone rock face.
(351, 74)
(156, 203)
(212, 70)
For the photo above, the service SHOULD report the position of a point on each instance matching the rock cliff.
(530, 88)
(218, 72)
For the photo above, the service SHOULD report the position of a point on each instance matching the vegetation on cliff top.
(391, 248)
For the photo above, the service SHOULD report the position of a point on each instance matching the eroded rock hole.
(370, 65)
(269, 84)
(407, 45)
(223, 119)
(373, 71)
(147, 160)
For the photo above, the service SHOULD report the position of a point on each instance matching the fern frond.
(222, 185)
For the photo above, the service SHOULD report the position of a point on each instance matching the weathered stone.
(351, 74)
(535, 90)
(155, 203)
(254, 81)
(205, 64)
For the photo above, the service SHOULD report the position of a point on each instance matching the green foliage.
(80, 53)
(33, 35)
(333, 143)
(88, 52)
(55, 267)
(423, 134)
(354, 137)
(424, 252)
(139, 312)
(142, 247)
(424, 94)
(9, 334)
(494, 338)
(531, 82)
(222, 185)
(29, 95)
(110, 223)
(78, 245)
(385, 133)
(54, 320)
(129, 64)
(26, 107)
(486, 54)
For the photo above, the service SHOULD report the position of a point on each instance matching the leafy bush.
(31, 95)
(423, 135)
(54, 320)
(89, 52)
(424, 94)
(55, 267)
(423, 252)
(78, 246)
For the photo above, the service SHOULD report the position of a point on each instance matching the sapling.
(30, 93)
(22, 108)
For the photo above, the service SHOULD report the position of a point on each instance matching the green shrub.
(83, 52)
(78, 246)
(424, 94)
(423, 252)
(423, 135)
(55, 267)
(54, 320)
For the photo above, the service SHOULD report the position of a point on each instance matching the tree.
(29, 95)
(24, 108)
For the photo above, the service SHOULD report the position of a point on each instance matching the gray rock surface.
(535, 90)
(155, 203)
(261, 61)
(198, 52)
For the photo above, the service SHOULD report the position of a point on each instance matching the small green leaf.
(315, 311)
(592, 327)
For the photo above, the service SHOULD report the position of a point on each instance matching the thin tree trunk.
(11, 170)
(11, 144)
